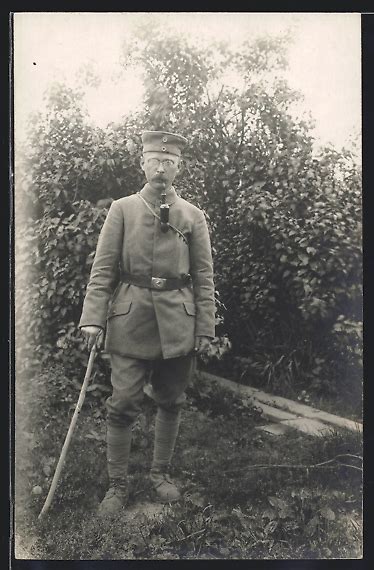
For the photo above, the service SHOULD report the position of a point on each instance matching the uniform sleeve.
(202, 277)
(104, 270)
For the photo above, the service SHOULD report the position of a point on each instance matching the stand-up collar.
(154, 196)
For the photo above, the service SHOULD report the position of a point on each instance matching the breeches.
(167, 379)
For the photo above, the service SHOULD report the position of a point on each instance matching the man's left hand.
(201, 344)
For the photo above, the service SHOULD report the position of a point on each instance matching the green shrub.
(52, 271)
(284, 221)
(294, 261)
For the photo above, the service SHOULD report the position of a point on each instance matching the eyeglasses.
(167, 163)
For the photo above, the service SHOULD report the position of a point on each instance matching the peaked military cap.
(161, 141)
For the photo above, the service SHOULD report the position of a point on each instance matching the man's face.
(160, 169)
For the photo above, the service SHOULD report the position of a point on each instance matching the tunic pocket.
(120, 309)
(190, 308)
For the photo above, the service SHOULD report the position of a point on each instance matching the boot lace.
(116, 488)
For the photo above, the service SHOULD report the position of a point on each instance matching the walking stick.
(65, 447)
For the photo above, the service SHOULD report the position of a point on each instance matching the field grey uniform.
(165, 297)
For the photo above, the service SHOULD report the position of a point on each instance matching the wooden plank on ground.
(274, 429)
(308, 426)
(284, 403)
(273, 414)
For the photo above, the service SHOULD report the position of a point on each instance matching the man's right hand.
(91, 334)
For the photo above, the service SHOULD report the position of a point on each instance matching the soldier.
(157, 318)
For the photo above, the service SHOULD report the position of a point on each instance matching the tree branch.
(324, 465)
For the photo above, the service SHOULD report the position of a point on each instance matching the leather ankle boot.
(115, 498)
(164, 487)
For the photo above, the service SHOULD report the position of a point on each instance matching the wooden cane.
(65, 447)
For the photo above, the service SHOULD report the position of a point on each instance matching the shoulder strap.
(158, 217)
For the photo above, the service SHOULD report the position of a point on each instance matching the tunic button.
(165, 139)
(163, 148)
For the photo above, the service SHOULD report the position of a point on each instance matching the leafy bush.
(215, 401)
(52, 270)
(284, 221)
(294, 261)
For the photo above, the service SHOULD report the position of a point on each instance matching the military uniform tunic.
(146, 323)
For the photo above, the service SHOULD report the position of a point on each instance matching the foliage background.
(285, 220)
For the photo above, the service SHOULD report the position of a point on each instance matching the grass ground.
(231, 509)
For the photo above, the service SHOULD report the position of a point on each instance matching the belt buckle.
(158, 282)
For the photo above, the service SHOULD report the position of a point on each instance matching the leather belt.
(158, 283)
